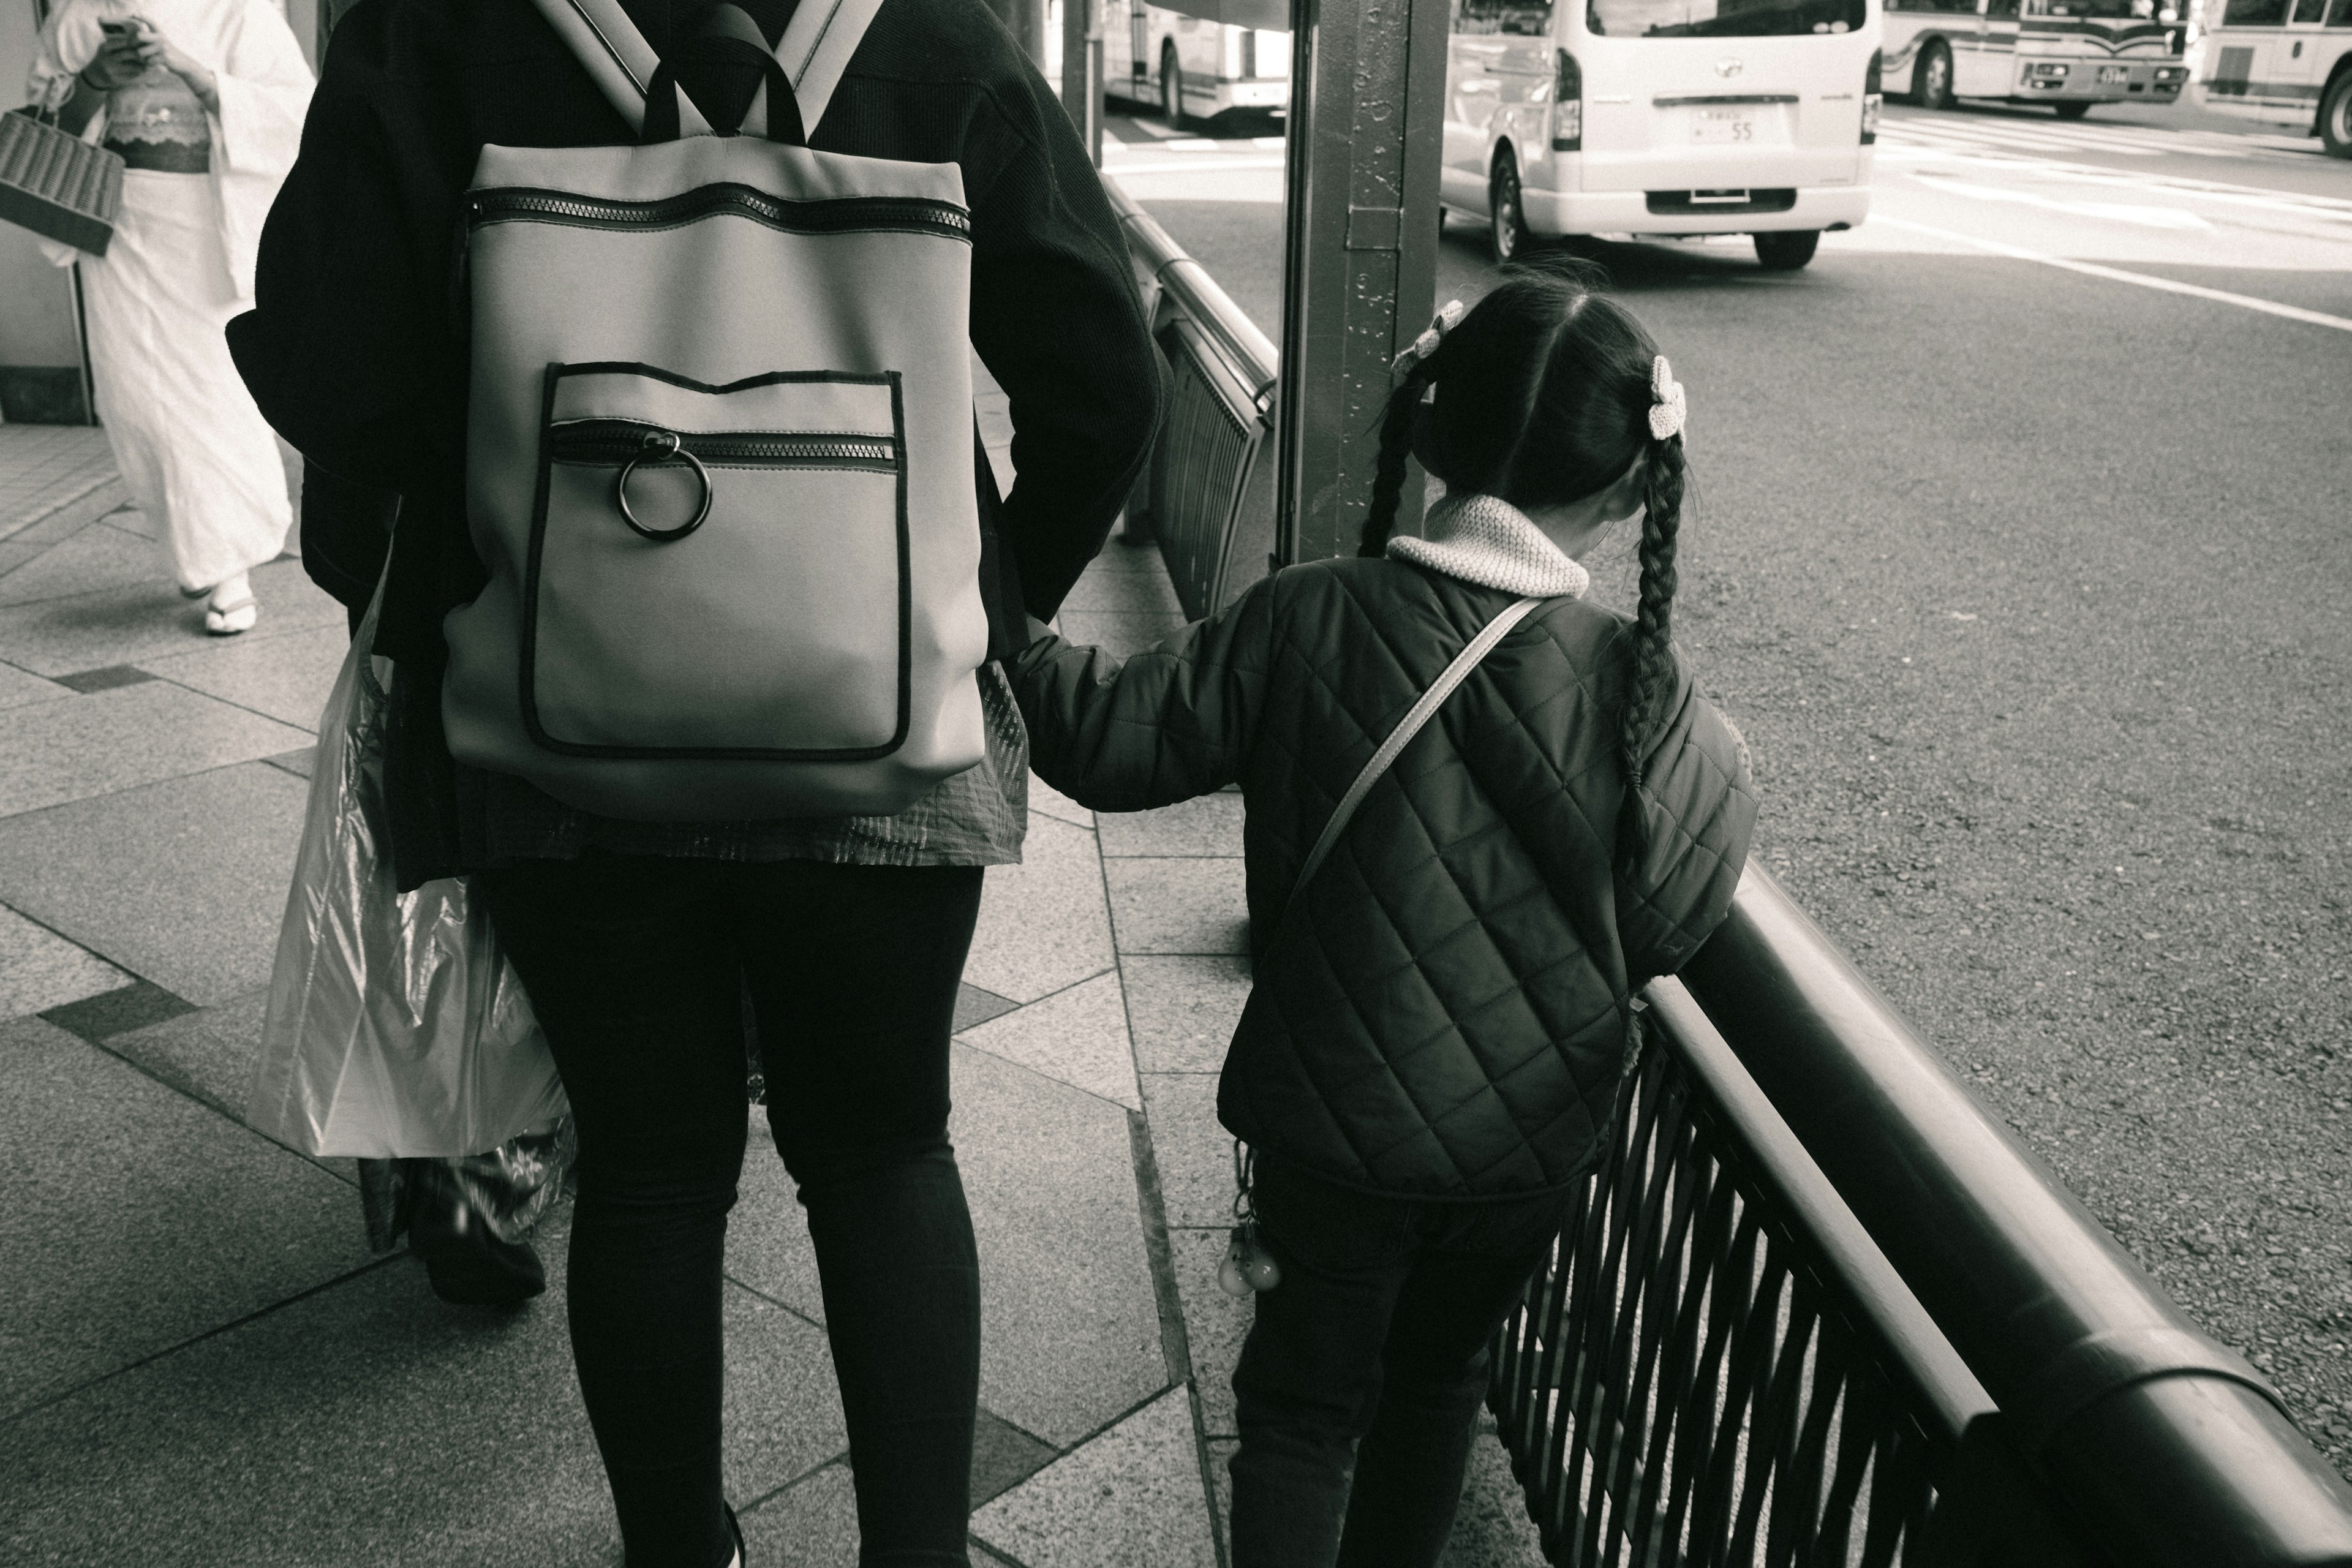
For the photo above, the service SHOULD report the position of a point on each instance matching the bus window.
(1519, 18)
(2309, 11)
(1959, 7)
(2079, 7)
(2006, 10)
(1721, 18)
(2341, 16)
(2255, 13)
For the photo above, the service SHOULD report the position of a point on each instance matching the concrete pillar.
(1367, 111)
(1026, 20)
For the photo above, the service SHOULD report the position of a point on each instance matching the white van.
(1663, 117)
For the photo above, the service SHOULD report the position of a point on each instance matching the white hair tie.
(1424, 346)
(1669, 410)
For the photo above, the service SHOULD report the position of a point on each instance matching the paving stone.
(1070, 1331)
(1004, 1456)
(1043, 925)
(1116, 592)
(181, 882)
(138, 1219)
(1195, 1153)
(127, 624)
(1044, 797)
(1130, 1498)
(1123, 634)
(285, 678)
(1214, 1323)
(1189, 905)
(811, 1524)
(18, 687)
(1121, 552)
(107, 678)
(297, 762)
(52, 753)
(1182, 1008)
(1077, 1036)
(1070, 1325)
(1491, 1527)
(90, 559)
(975, 1006)
(208, 1053)
(1206, 825)
(40, 969)
(372, 1424)
(135, 519)
(111, 1013)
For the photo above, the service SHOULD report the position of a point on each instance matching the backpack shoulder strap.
(814, 51)
(616, 57)
(1407, 727)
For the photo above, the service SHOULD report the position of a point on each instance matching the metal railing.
(1819, 1306)
(1222, 372)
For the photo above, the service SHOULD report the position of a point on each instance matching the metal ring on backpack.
(659, 445)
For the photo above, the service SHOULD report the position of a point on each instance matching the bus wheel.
(2336, 117)
(1785, 250)
(1931, 79)
(1506, 221)
(1172, 89)
(2071, 110)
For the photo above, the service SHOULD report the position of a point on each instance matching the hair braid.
(1652, 627)
(1396, 444)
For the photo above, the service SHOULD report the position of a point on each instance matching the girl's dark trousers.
(1358, 1387)
(636, 968)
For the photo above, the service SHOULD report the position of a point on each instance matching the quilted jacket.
(1446, 1015)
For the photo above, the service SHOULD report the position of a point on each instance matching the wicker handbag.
(57, 185)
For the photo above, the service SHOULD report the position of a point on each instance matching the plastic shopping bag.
(396, 1028)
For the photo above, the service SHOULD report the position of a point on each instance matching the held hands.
(126, 55)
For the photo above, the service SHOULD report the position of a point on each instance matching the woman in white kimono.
(204, 100)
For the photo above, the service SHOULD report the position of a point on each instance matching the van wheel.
(1931, 78)
(2336, 117)
(1172, 89)
(1506, 221)
(1785, 250)
(2071, 110)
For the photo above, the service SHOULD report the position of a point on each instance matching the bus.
(2281, 62)
(1662, 117)
(1195, 64)
(2068, 53)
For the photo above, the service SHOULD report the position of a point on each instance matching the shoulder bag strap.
(814, 51)
(1407, 727)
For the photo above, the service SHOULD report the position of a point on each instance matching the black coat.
(355, 354)
(1445, 1014)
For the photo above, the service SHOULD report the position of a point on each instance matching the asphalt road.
(2031, 588)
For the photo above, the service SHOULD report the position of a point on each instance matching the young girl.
(1428, 1062)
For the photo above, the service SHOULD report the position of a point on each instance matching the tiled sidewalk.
(201, 1364)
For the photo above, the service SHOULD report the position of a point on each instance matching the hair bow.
(1668, 408)
(1424, 346)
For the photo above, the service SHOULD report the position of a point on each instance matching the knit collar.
(1485, 539)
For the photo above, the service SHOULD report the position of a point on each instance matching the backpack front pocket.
(718, 572)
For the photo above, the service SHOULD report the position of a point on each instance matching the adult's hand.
(121, 60)
(157, 46)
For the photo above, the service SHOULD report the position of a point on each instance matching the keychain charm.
(1248, 1267)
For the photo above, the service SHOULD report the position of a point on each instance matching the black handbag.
(57, 185)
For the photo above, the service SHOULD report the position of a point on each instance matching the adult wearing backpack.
(636, 937)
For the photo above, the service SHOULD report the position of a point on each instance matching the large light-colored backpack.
(720, 460)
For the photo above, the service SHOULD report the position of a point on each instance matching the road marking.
(2117, 275)
(2119, 212)
(2332, 208)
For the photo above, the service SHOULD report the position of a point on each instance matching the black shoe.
(742, 1558)
(466, 1264)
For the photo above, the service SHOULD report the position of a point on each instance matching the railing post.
(1367, 107)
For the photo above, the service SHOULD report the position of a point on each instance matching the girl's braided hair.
(1542, 397)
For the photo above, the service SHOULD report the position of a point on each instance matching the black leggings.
(636, 967)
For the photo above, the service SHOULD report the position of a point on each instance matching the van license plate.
(1709, 125)
(2110, 75)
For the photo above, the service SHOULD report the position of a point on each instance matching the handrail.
(2165, 1444)
(1158, 256)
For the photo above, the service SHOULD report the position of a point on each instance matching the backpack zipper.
(832, 214)
(616, 441)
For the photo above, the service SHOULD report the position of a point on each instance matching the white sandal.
(238, 615)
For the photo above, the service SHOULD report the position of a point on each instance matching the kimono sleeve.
(265, 90)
